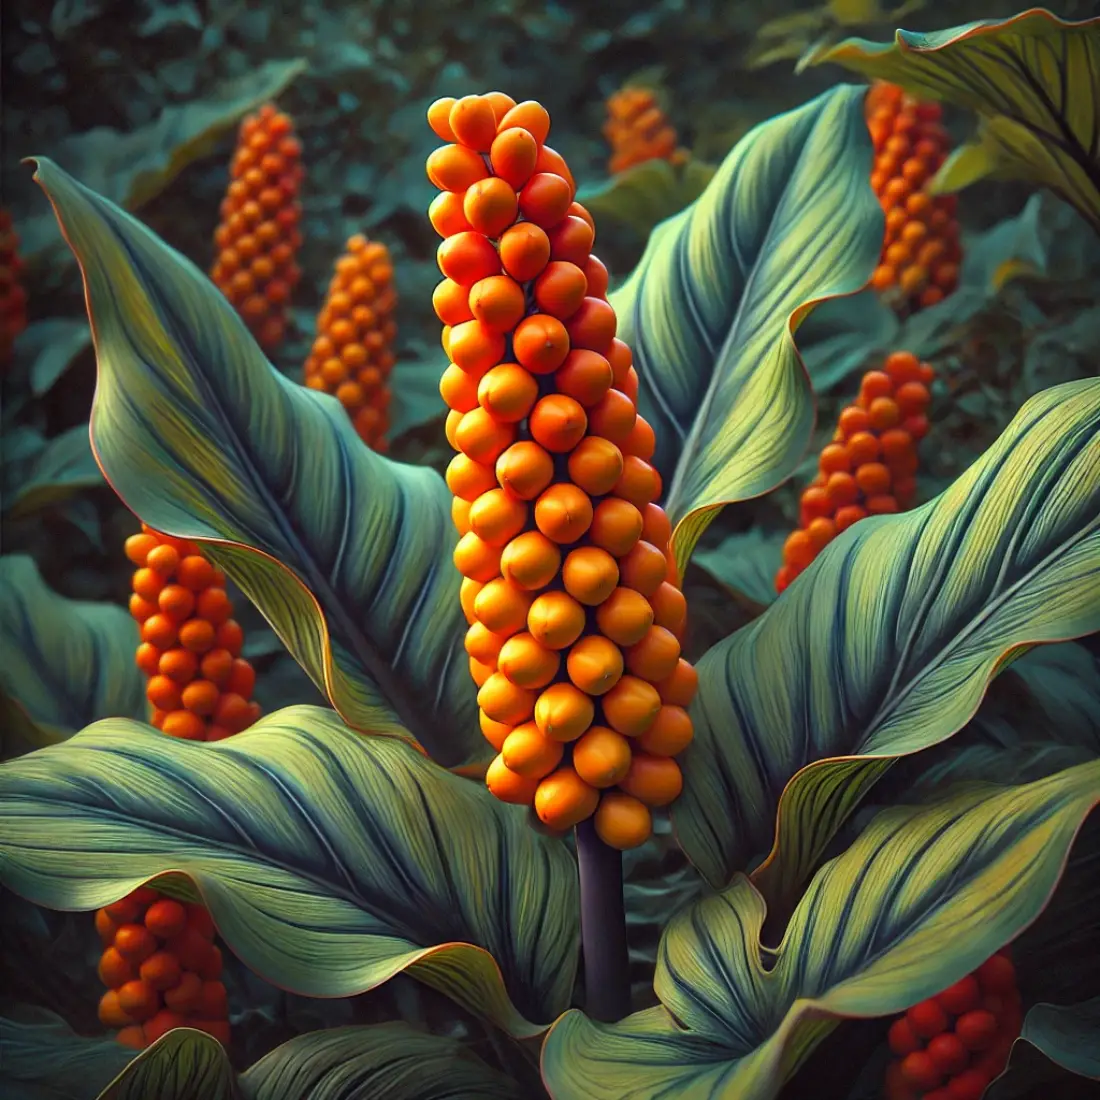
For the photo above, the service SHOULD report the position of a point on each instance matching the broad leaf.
(924, 896)
(54, 345)
(43, 1059)
(63, 467)
(710, 312)
(387, 1060)
(329, 861)
(1034, 81)
(65, 662)
(1068, 1035)
(745, 565)
(184, 1064)
(885, 645)
(346, 553)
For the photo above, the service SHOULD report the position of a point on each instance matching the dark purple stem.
(603, 927)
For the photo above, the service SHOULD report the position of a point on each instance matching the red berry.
(997, 975)
(903, 1040)
(969, 1085)
(919, 1069)
(948, 1053)
(976, 1029)
(963, 996)
(927, 1019)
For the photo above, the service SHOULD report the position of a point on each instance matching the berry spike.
(13, 298)
(870, 466)
(574, 622)
(259, 234)
(638, 130)
(352, 353)
(920, 254)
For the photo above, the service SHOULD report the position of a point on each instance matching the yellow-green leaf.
(184, 1064)
(923, 897)
(1034, 80)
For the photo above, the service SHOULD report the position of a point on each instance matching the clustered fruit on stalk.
(351, 355)
(638, 130)
(570, 590)
(920, 258)
(13, 298)
(161, 967)
(259, 235)
(870, 466)
(951, 1046)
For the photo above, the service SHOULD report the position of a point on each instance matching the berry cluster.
(870, 466)
(953, 1045)
(199, 685)
(569, 588)
(13, 298)
(258, 236)
(920, 255)
(637, 130)
(161, 968)
(351, 355)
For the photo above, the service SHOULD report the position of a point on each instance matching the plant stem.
(603, 927)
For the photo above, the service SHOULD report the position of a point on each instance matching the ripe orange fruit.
(563, 799)
(601, 757)
(654, 780)
(622, 821)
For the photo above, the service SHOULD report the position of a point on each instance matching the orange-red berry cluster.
(352, 354)
(199, 685)
(637, 130)
(953, 1045)
(569, 588)
(258, 237)
(13, 298)
(921, 254)
(161, 967)
(870, 466)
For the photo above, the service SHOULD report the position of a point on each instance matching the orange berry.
(195, 572)
(798, 550)
(148, 658)
(497, 517)
(821, 532)
(479, 437)
(670, 734)
(631, 706)
(230, 636)
(513, 155)
(115, 969)
(884, 278)
(473, 122)
(540, 343)
(507, 786)
(885, 504)
(585, 376)
(640, 483)
(497, 302)
(135, 942)
(601, 757)
(571, 240)
(467, 257)
(916, 427)
(458, 389)
(654, 780)
(875, 384)
(560, 289)
(213, 604)
(895, 444)
(655, 656)
(184, 996)
(504, 701)
(590, 575)
(846, 516)
(161, 1024)
(201, 697)
(558, 422)
(163, 558)
(596, 274)
(439, 116)
(815, 501)
(494, 732)
(482, 644)
(873, 479)
(642, 443)
(502, 607)
(853, 421)
(161, 971)
(110, 1011)
(625, 616)
(563, 513)
(595, 664)
(563, 799)
(455, 168)
(163, 693)
(197, 635)
(613, 417)
(545, 198)
(479, 673)
(525, 469)
(530, 561)
(863, 447)
(490, 206)
(147, 583)
(552, 161)
(531, 116)
(106, 926)
(213, 1002)
(451, 302)
(592, 326)
(596, 464)
(556, 620)
(524, 251)
(139, 1000)
(529, 753)
(622, 821)
(616, 526)
(841, 489)
(669, 608)
(446, 214)
(184, 724)
(475, 347)
(912, 398)
(656, 528)
(469, 479)
(468, 591)
(138, 546)
(527, 663)
(563, 712)
(644, 568)
(476, 559)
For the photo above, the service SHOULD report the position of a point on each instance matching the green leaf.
(65, 662)
(130, 168)
(345, 552)
(745, 565)
(644, 195)
(329, 861)
(184, 1064)
(1034, 81)
(59, 341)
(62, 468)
(885, 645)
(43, 1059)
(923, 897)
(389, 1060)
(1068, 1035)
(710, 312)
